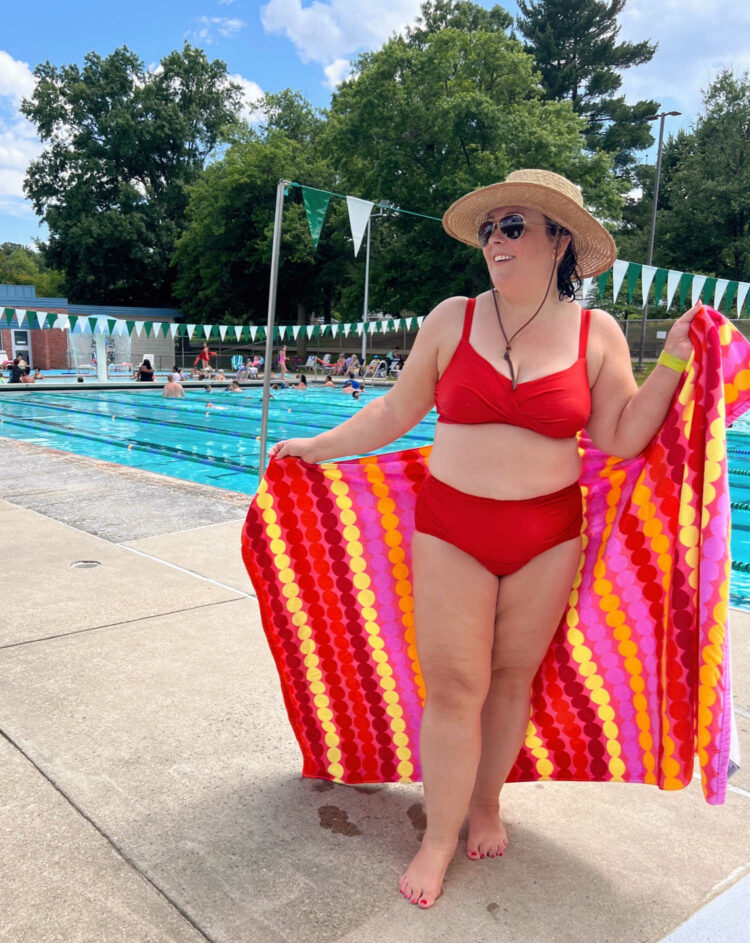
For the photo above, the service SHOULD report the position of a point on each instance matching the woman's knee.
(453, 689)
(513, 680)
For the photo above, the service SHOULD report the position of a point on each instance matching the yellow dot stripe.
(307, 648)
(584, 657)
(535, 746)
(366, 600)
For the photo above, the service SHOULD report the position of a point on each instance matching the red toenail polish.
(423, 902)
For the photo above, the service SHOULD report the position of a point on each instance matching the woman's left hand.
(678, 340)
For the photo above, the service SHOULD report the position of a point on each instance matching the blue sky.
(307, 44)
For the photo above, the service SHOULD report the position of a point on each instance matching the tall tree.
(122, 144)
(703, 220)
(20, 265)
(423, 122)
(574, 44)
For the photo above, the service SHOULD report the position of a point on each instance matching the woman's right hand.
(299, 448)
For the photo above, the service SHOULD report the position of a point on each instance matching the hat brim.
(594, 247)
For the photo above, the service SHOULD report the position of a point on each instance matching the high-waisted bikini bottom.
(501, 535)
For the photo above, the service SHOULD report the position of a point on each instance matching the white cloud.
(694, 46)
(16, 78)
(210, 26)
(329, 32)
(251, 92)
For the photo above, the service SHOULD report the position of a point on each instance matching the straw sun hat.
(550, 194)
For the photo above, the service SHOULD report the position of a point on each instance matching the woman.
(502, 499)
(145, 371)
(282, 363)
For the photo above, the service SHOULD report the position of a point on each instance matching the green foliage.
(20, 265)
(121, 146)
(574, 43)
(703, 219)
(420, 124)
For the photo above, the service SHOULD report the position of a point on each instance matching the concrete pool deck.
(150, 780)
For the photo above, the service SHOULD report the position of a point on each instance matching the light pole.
(662, 115)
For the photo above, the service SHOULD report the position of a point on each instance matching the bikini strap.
(584, 337)
(468, 318)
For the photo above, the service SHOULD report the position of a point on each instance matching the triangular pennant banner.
(647, 276)
(601, 281)
(182, 330)
(359, 216)
(281, 329)
(419, 321)
(634, 273)
(20, 316)
(698, 283)
(741, 295)
(721, 287)
(709, 287)
(316, 206)
(148, 327)
(85, 325)
(586, 287)
(111, 322)
(373, 327)
(619, 270)
(685, 282)
(191, 330)
(660, 280)
(347, 328)
(223, 331)
(237, 332)
(130, 325)
(173, 329)
(253, 331)
(729, 296)
(673, 280)
(335, 330)
(138, 328)
(310, 329)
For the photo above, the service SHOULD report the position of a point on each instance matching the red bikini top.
(471, 391)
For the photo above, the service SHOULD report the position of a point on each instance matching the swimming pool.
(219, 444)
(186, 438)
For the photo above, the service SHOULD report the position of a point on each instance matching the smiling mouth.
(502, 258)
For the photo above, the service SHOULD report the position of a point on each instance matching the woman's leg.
(530, 603)
(455, 600)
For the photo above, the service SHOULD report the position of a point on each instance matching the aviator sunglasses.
(512, 226)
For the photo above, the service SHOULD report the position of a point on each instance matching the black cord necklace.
(506, 355)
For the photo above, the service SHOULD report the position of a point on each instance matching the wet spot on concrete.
(323, 785)
(492, 909)
(418, 819)
(368, 790)
(337, 821)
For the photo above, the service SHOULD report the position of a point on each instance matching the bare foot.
(487, 838)
(423, 880)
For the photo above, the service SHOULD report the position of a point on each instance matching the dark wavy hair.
(569, 279)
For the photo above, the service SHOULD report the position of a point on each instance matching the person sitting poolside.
(38, 375)
(219, 375)
(26, 376)
(173, 389)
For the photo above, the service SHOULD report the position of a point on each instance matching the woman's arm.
(624, 418)
(387, 418)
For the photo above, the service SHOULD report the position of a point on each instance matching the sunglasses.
(512, 227)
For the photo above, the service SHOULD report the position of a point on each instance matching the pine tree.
(574, 43)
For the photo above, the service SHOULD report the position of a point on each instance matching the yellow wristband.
(672, 362)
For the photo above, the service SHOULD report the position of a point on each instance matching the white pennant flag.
(359, 215)
(742, 288)
(61, 322)
(698, 282)
(101, 324)
(121, 328)
(138, 327)
(20, 316)
(384, 328)
(222, 331)
(206, 331)
(586, 287)
(310, 329)
(253, 331)
(673, 280)
(295, 330)
(282, 331)
(419, 321)
(358, 328)
(647, 277)
(373, 328)
(84, 325)
(237, 331)
(721, 287)
(190, 331)
(619, 270)
(173, 329)
(335, 330)
(347, 328)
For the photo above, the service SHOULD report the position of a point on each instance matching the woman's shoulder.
(447, 314)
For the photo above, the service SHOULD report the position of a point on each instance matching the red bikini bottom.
(501, 535)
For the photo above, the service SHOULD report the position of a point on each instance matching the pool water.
(186, 438)
(219, 444)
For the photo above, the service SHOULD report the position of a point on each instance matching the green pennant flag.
(660, 280)
(111, 325)
(709, 289)
(181, 330)
(164, 328)
(147, 326)
(602, 280)
(685, 282)
(72, 321)
(728, 298)
(130, 325)
(92, 324)
(33, 319)
(634, 273)
(316, 207)
(9, 314)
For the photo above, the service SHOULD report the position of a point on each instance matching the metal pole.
(654, 205)
(367, 295)
(275, 252)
